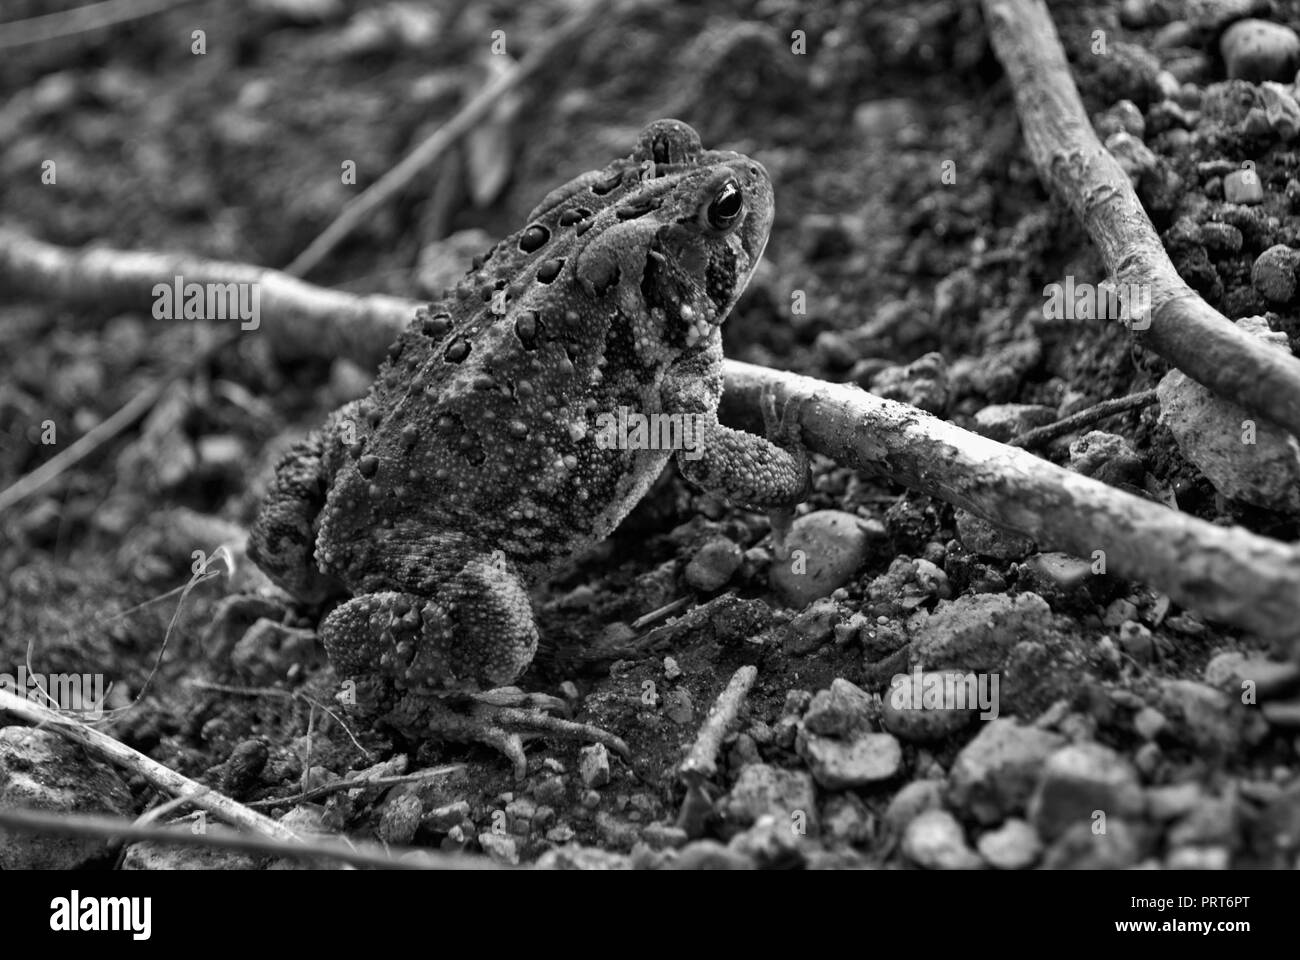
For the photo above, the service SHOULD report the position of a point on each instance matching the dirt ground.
(235, 154)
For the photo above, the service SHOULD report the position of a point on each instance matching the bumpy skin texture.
(472, 468)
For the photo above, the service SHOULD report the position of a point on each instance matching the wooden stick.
(123, 279)
(1072, 162)
(1227, 573)
(701, 761)
(1084, 418)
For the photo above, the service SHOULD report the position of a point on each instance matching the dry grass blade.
(356, 212)
(67, 23)
(313, 849)
(106, 430)
(339, 786)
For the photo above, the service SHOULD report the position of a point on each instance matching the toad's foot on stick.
(500, 718)
(782, 520)
(784, 429)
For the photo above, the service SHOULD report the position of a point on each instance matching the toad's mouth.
(692, 285)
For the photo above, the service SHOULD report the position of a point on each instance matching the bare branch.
(1084, 418)
(1227, 573)
(1071, 161)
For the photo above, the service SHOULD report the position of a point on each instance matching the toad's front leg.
(419, 662)
(751, 471)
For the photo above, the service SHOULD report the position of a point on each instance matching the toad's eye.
(726, 207)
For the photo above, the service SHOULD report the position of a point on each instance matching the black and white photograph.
(483, 438)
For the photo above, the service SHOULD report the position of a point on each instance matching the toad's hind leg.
(283, 538)
(418, 661)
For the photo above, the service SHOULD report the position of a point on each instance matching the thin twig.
(701, 761)
(104, 431)
(700, 766)
(154, 814)
(83, 19)
(311, 740)
(282, 694)
(654, 616)
(310, 848)
(316, 793)
(1084, 418)
(437, 143)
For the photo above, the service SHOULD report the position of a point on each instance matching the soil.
(235, 154)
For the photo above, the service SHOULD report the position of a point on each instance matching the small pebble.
(1269, 679)
(1222, 237)
(1274, 273)
(400, 819)
(1148, 722)
(813, 626)
(501, 847)
(1199, 858)
(866, 759)
(593, 765)
(825, 549)
(989, 540)
(1118, 611)
(762, 789)
(1012, 846)
(909, 717)
(995, 773)
(1174, 35)
(935, 840)
(678, 705)
(840, 711)
(1174, 800)
(1079, 779)
(1134, 157)
(713, 564)
(1136, 641)
(1258, 50)
(911, 801)
(1243, 186)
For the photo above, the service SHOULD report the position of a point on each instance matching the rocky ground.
(1125, 730)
